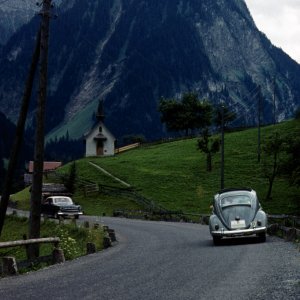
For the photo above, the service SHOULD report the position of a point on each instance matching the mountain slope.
(132, 52)
(14, 14)
(6, 142)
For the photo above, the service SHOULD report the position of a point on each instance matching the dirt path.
(109, 174)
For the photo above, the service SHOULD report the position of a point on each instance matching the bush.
(67, 243)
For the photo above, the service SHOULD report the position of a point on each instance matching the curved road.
(159, 260)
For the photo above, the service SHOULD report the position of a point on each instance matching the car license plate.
(238, 224)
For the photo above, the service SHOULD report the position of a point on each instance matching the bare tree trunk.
(269, 193)
(19, 132)
(272, 177)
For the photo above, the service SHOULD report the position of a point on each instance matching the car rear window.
(64, 201)
(236, 200)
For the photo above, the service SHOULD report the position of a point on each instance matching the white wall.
(108, 144)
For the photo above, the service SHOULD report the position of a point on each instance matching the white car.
(237, 212)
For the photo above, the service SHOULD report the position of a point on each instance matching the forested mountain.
(132, 52)
(6, 141)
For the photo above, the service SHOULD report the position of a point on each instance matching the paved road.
(158, 260)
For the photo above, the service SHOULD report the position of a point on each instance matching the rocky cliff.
(14, 14)
(132, 52)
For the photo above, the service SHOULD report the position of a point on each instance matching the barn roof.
(48, 166)
(54, 189)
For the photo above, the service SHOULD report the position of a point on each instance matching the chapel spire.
(100, 111)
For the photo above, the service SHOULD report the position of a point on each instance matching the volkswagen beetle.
(237, 212)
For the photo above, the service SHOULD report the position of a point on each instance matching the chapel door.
(99, 148)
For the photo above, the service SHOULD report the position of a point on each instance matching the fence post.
(106, 242)
(9, 265)
(112, 235)
(58, 256)
(290, 234)
(90, 248)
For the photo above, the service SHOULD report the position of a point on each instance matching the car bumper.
(239, 232)
(69, 214)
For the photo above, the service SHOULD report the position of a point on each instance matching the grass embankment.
(174, 174)
(93, 204)
(73, 238)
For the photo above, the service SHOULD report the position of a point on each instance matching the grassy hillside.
(174, 174)
(73, 238)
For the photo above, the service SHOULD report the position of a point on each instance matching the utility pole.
(259, 125)
(37, 179)
(222, 147)
(19, 132)
(274, 102)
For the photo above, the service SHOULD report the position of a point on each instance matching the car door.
(48, 207)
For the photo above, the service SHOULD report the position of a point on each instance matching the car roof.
(58, 197)
(235, 190)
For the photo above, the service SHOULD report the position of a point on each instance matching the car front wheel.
(217, 240)
(262, 237)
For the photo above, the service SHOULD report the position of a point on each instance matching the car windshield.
(63, 201)
(236, 200)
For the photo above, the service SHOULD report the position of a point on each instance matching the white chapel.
(99, 141)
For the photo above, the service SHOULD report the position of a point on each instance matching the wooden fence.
(90, 189)
(129, 193)
(285, 226)
(126, 148)
(9, 264)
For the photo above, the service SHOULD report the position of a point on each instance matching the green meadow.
(173, 175)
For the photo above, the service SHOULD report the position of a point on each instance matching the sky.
(280, 21)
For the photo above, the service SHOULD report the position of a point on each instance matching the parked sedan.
(61, 206)
(237, 212)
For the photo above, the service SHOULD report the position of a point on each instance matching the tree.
(209, 146)
(171, 114)
(186, 114)
(229, 116)
(70, 179)
(273, 163)
(15, 149)
(133, 138)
